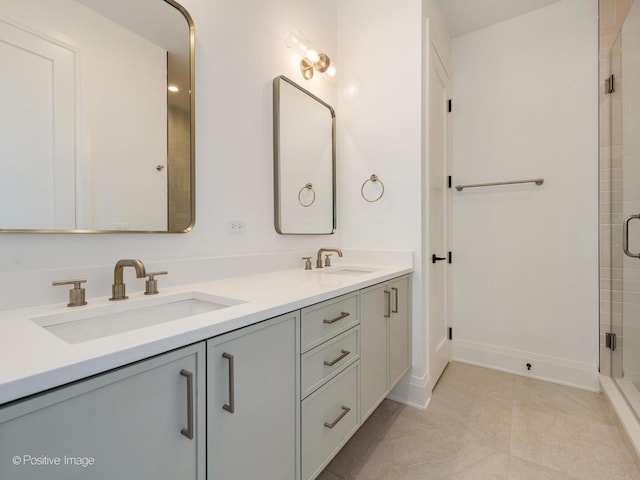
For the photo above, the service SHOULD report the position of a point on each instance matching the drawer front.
(327, 360)
(327, 319)
(329, 417)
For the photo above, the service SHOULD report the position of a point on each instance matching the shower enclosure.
(620, 208)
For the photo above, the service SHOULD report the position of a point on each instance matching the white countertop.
(32, 359)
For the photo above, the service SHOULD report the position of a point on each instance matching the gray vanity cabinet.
(141, 421)
(252, 401)
(385, 352)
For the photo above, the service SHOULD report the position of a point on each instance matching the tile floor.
(484, 424)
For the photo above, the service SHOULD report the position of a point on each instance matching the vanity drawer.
(327, 319)
(329, 417)
(326, 360)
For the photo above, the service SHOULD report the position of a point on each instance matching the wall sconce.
(312, 58)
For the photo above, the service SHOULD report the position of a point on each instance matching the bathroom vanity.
(270, 386)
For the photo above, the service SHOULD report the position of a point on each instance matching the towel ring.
(308, 186)
(372, 178)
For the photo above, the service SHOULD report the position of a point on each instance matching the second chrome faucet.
(321, 251)
(118, 290)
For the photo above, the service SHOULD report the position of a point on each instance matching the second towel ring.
(308, 186)
(373, 178)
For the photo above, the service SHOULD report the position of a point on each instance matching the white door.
(37, 131)
(439, 343)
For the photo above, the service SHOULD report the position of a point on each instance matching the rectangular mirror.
(304, 161)
(97, 124)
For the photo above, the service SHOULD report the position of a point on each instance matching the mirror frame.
(192, 158)
(276, 155)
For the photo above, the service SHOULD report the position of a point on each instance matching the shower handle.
(625, 236)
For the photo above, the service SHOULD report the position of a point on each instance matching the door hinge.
(449, 181)
(610, 341)
(610, 85)
(450, 333)
(450, 257)
(449, 104)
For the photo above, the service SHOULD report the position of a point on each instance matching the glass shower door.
(625, 208)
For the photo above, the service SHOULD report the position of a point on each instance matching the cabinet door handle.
(387, 303)
(231, 406)
(339, 317)
(188, 432)
(345, 410)
(395, 290)
(337, 359)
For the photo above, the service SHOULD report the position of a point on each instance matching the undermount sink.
(347, 271)
(77, 326)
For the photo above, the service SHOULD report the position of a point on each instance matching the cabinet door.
(374, 309)
(252, 402)
(399, 330)
(128, 423)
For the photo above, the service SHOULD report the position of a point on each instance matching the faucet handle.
(307, 263)
(151, 285)
(76, 294)
(327, 260)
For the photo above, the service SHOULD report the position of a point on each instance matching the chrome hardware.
(327, 260)
(118, 289)
(322, 250)
(337, 359)
(625, 236)
(373, 178)
(345, 410)
(537, 181)
(610, 85)
(230, 407)
(435, 258)
(308, 186)
(387, 303)
(76, 294)
(334, 320)
(395, 290)
(188, 432)
(151, 285)
(307, 263)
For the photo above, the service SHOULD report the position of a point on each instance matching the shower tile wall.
(179, 164)
(612, 14)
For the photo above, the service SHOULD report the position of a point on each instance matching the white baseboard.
(543, 367)
(412, 391)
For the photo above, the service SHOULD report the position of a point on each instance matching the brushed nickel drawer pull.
(339, 317)
(345, 410)
(336, 360)
(395, 290)
(231, 406)
(188, 432)
(387, 303)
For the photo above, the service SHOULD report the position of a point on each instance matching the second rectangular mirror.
(304, 161)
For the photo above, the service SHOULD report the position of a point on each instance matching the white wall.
(526, 272)
(380, 122)
(239, 50)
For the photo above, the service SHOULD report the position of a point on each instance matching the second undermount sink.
(346, 271)
(77, 326)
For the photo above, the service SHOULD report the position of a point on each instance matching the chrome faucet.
(319, 259)
(118, 289)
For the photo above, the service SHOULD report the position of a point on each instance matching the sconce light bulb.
(331, 71)
(173, 88)
(313, 56)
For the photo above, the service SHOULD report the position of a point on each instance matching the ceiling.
(466, 16)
